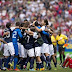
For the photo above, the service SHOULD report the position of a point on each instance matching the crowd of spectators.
(58, 13)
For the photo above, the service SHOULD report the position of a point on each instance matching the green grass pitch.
(59, 69)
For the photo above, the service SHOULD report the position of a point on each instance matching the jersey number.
(28, 37)
(7, 36)
(14, 34)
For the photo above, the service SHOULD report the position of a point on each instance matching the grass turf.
(59, 69)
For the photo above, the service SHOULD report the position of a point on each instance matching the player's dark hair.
(8, 25)
(17, 23)
(46, 21)
(26, 24)
(36, 23)
(22, 24)
(32, 28)
(25, 20)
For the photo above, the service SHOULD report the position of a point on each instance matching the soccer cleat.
(3, 68)
(42, 69)
(49, 68)
(16, 69)
(60, 64)
(37, 69)
(9, 69)
(24, 66)
(10, 65)
(32, 69)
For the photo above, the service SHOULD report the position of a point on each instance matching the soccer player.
(67, 62)
(51, 49)
(45, 47)
(54, 42)
(1, 67)
(21, 50)
(8, 48)
(29, 45)
(60, 38)
(15, 34)
(37, 44)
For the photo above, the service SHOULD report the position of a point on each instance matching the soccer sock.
(55, 64)
(63, 58)
(15, 62)
(31, 63)
(41, 65)
(11, 59)
(0, 63)
(5, 62)
(24, 60)
(8, 60)
(27, 60)
(2, 60)
(37, 65)
(56, 59)
(20, 61)
(21, 66)
(60, 58)
(43, 59)
(48, 59)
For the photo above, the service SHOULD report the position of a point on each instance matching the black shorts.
(60, 48)
(55, 49)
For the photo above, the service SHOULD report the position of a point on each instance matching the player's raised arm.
(49, 27)
(35, 23)
(19, 33)
(39, 30)
(48, 30)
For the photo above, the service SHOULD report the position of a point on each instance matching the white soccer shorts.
(38, 51)
(45, 48)
(9, 49)
(51, 49)
(30, 52)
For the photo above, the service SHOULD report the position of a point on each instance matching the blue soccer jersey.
(15, 34)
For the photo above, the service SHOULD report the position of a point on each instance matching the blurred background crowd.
(58, 13)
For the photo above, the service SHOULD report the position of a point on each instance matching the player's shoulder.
(17, 29)
(12, 28)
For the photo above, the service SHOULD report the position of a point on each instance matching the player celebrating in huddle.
(15, 34)
(8, 48)
(45, 47)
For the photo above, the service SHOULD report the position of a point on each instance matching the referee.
(61, 41)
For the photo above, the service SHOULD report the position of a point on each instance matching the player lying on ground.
(67, 62)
